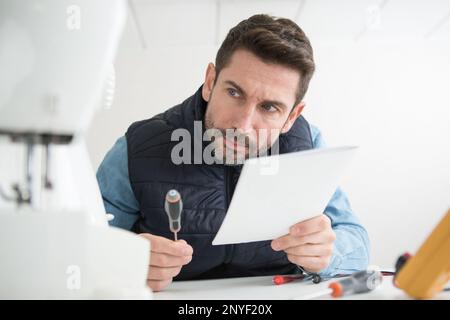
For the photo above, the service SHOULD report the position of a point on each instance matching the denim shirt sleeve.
(352, 246)
(115, 187)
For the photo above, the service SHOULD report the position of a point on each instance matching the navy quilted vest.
(206, 192)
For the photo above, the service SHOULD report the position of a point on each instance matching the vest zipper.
(228, 185)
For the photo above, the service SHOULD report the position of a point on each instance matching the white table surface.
(262, 288)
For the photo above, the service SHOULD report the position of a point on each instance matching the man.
(260, 76)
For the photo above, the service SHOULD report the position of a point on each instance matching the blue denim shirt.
(351, 248)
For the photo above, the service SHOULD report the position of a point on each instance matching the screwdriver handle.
(358, 282)
(286, 279)
(173, 206)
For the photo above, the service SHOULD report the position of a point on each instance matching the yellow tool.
(425, 274)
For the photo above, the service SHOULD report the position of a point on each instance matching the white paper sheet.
(273, 193)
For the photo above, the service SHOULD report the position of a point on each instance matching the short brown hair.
(274, 40)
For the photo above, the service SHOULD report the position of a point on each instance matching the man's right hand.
(166, 259)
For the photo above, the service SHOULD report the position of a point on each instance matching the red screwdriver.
(286, 279)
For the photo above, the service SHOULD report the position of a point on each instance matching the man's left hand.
(309, 243)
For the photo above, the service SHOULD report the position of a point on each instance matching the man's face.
(254, 101)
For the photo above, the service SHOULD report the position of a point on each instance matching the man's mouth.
(233, 144)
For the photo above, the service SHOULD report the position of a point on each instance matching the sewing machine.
(55, 241)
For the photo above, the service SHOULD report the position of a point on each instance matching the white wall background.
(382, 82)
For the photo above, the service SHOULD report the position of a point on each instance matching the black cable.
(4, 196)
(316, 278)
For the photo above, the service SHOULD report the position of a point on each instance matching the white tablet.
(273, 193)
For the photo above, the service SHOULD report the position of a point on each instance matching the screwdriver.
(358, 282)
(286, 279)
(173, 206)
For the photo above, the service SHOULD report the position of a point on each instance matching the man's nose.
(245, 119)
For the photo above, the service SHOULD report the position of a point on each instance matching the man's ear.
(295, 113)
(210, 77)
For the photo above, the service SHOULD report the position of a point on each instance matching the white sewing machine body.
(61, 255)
(56, 243)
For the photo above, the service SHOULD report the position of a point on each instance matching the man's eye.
(269, 107)
(233, 92)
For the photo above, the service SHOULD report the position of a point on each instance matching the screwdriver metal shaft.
(315, 295)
